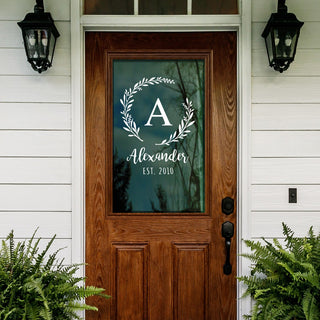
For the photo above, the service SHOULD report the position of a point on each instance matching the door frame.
(240, 23)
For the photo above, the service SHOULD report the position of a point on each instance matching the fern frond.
(34, 287)
(310, 306)
(285, 280)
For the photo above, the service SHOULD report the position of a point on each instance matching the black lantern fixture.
(39, 36)
(281, 36)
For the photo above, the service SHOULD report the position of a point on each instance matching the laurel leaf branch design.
(127, 102)
(185, 123)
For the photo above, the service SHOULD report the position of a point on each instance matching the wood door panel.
(162, 266)
(158, 229)
(130, 289)
(191, 281)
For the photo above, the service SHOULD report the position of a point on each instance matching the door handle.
(227, 233)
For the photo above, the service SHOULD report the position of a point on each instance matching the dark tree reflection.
(189, 78)
(121, 181)
(162, 198)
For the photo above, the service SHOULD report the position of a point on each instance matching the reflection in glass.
(109, 7)
(163, 7)
(215, 7)
(158, 136)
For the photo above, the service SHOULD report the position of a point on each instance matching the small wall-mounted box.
(292, 195)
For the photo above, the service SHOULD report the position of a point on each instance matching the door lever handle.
(227, 233)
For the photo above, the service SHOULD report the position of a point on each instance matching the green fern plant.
(36, 286)
(285, 281)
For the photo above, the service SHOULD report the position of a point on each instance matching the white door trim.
(184, 23)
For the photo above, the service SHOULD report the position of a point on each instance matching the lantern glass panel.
(52, 44)
(285, 42)
(269, 45)
(37, 41)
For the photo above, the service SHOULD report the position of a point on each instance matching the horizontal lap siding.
(35, 116)
(35, 133)
(17, 9)
(285, 116)
(35, 170)
(35, 143)
(285, 171)
(49, 224)
(13, 62)
(285, 127)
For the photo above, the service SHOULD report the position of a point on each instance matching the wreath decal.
(129, 123)
(183, 130)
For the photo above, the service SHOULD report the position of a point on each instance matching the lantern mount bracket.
(39, 7)
(282, 8)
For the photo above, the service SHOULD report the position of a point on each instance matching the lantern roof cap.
(281, 19)
(39, 19)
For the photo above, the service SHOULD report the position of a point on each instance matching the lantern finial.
(39, 7)
(282, 8)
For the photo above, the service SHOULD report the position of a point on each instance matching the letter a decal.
(162, 115)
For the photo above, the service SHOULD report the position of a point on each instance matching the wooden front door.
(161, 155)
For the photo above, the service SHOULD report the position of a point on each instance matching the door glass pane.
(109, 7)
(158, 136)
(163, 7)
(215, 7)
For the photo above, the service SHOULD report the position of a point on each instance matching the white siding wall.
(286, 127)
(35, 131)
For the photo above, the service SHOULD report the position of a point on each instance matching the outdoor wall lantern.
(39, 35)
(281, 35)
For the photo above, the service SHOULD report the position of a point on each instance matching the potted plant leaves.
(284, 280)
(36, 285)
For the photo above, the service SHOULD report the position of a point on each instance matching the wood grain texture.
(98, 257)
(130, 266)
(223, 179)
(103, 229)
(191, 281)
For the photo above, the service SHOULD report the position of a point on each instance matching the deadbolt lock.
(227, 205)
